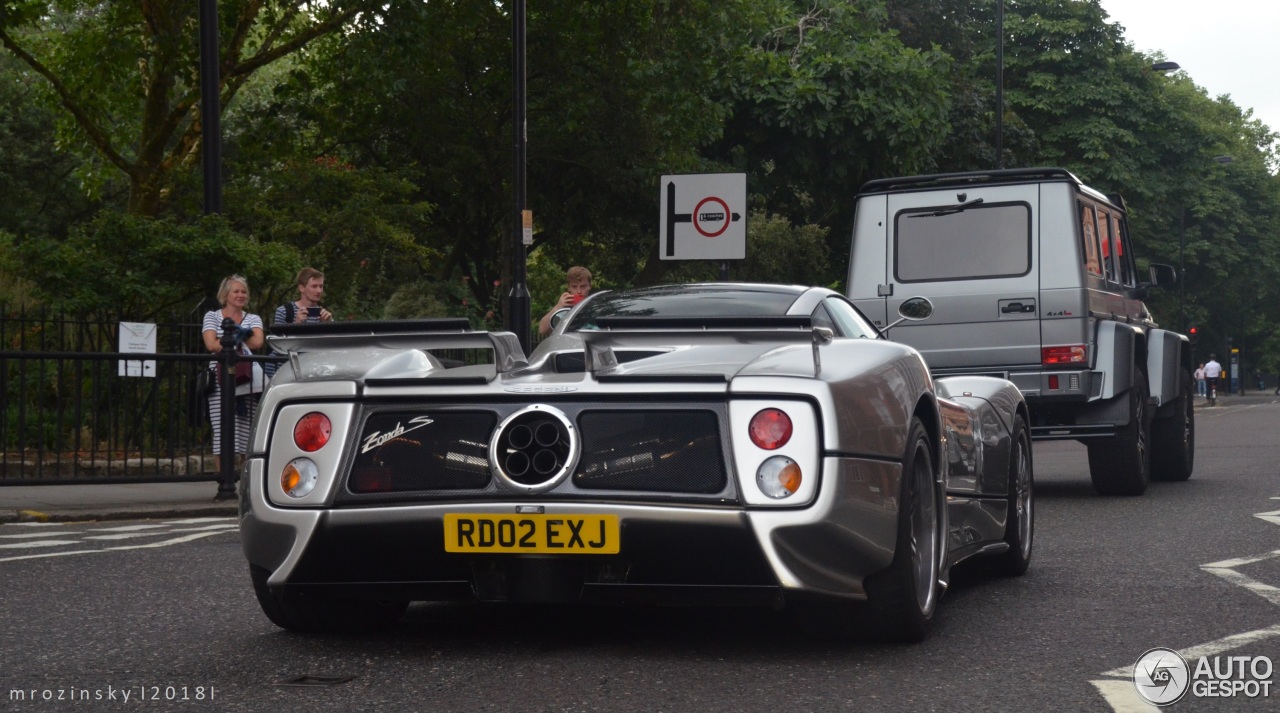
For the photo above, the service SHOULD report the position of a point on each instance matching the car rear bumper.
(669, 553)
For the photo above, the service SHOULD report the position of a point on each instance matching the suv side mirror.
(1162, 274)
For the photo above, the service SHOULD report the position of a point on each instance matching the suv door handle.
(1018, 308)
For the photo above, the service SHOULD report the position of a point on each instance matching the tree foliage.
(131, 267)
(382, 153)
(126, 75)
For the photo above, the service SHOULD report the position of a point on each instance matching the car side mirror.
(558, 317)
(916, 309)
(913, 309)
(1162, 274)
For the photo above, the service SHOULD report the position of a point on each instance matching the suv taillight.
(1067, 354)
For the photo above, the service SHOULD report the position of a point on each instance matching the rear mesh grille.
(650, 451)
(449, 453)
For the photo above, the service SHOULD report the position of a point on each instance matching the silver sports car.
(707, 443)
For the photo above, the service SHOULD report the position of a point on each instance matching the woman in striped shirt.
(233, 295)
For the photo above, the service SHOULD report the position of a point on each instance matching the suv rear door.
(974, 251)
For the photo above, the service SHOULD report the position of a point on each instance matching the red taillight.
(1069, 354)
(770, 429)
(312, 431)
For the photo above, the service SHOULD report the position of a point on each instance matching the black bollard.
(227, 396)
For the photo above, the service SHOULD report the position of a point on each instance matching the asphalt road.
(166, 613)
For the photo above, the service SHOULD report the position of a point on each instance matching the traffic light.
(1192, 334)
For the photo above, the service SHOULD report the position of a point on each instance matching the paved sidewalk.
(1249, 397)
(129, 501)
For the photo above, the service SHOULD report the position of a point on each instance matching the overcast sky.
(1225, 46)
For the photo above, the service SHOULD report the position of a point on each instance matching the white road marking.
(1266, 591)
(39, 543)
(197, 520)
(28, 535)
(1271, 517)
(1213, 648)
(125, 528)
(1123, 697)
(47, 524)
(149, 545)
(122, 536)
(224, 526)
(63, 553)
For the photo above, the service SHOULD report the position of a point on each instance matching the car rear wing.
(419, 334)
(611, 332)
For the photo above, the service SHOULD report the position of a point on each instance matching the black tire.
(330, 615)
(1019, 531)
(901, 600)
(1122, 465)
(1173, 439)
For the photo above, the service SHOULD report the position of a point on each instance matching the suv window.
(978, 242)
(1104, 237)
(1089, 235)
(1121, 239)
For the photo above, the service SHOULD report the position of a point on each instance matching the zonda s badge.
(377, 438)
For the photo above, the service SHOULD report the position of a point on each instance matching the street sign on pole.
(703, 217)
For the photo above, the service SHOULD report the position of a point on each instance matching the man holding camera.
(578, 282)
(307, 307)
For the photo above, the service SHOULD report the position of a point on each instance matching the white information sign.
(137, 338)
(703, 217)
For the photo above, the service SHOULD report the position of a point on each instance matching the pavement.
(141, 501)
(124, 501)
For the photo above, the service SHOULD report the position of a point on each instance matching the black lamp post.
(1000, 84)
(518, 298)
(210, 107)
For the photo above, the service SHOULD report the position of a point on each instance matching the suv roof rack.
(1005, 175)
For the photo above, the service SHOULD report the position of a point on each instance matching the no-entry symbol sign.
(702, 217)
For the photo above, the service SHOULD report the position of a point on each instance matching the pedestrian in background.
(307, 307)
(1201, 388)
(578, 281)
(233, 295)
(1212, 371)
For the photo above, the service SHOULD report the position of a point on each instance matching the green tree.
(122, 266)
(824, 97)
(125, 77)
(37, 186)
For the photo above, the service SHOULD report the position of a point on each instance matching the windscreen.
(686, 301)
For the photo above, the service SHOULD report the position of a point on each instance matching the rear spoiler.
(422, 334)
(598, 344)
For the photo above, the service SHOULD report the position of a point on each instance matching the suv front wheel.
(1122, 465)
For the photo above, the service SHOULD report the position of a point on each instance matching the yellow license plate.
(532, 534)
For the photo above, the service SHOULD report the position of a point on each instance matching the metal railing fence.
(67, 415)
(72, 413)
